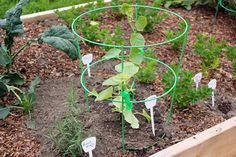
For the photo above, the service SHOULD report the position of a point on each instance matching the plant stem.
(17, 107)
(23, 47)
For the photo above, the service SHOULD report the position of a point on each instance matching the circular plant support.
(82, 80)
(125, 100)
(129, 46)
(221, 3)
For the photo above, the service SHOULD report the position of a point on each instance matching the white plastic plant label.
(197, 79)
(149, 105)
(89, 145)
(212, 85)
(152, 103)
(87, 59)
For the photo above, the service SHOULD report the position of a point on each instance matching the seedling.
(87, 59)
(197, 79)
(212, 85)
(150, 102)
(89, 145)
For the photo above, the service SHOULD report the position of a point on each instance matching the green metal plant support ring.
(82, 78)
(226, 8)
(129, 46)
(183, 36)
(220, 4)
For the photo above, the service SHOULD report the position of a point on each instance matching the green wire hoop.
(220, 4)
(128, 46)
(183, 35)
(82, 78)
(228, 9)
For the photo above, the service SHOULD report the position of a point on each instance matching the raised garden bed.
(101, 122)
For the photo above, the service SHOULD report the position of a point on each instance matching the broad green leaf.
(129, 68)
(130, 118)
(137, 39)
(13, 24)
(3, 88)
(33, 85)
(112, 53)
(93, 93)
(5, 58)
(141, 23)
(117, 102)
(61, 38)
(4, 111)
(117, 79)
(13, 79)
(127, 9)
(135, 56)
(168, 4)
(147, 116)
(107, 93)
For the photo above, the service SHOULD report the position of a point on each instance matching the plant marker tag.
(87, 59)
(212, 85)
(197, 79)
(126, 96)
(150, 105)
(89, 145)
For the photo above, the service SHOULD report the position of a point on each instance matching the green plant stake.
(130, 64)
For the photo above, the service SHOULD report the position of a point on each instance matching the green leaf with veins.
(3, 88)
(130, 118)
(4, 111)
(129, 68)
(112, 53)
(107, 93)
(135, 56)
(13, 79)
(117, 79)
(61, 38)
(141, 23)
(5, 58)
(127, 9)
(93, 93)
(137, 39)
(128, 115)
(12, 23)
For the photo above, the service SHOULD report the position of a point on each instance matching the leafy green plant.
(187, 4)
(26, 99)
(209, 50)
(147, 73)
(68, 132)
(231, 54)
(170, 34)
(153, 16)
(118, 85)
(186, 93)
(58, 36)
